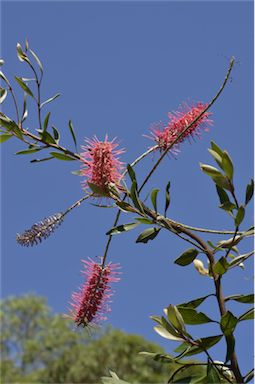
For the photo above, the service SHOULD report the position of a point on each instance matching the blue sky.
(120, 66)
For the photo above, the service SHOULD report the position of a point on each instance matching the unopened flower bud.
(200, 267)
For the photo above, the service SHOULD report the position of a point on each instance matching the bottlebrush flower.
(164, 135)
(40, 230)
(90, 302)
(101, 165)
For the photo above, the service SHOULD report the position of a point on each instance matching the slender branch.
(169, 147)
(56, 146)
(188, 127)
(76, 204)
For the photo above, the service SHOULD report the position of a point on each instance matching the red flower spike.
(178, 121)
(101, 165)
(90, 302)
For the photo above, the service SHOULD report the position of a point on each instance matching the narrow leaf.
(28, 151)
(249, 315)
(249, 192)
(187, 257)
(37, 60)
(50, 99)
(223, 196)
(24, 86)
(213, 376)
(221, 266)
(227, 165)
(131, 173)
(3, 94)
(164, 333)
(70, 125)
(216, 156)
(239, 216)
(167, 203)
(216, 148)
(194, 303)
(122, 228)
(4, 137)
(154, 195)
(245, 299)
(148, 234)
(61, 156)
(192, 317)
(46, 121)
(228, 323)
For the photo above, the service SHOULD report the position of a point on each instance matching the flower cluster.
(90, 302)
(100, 163)
(40, 231)
(165, 135)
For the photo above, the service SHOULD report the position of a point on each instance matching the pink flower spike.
(100, 163)
(90, 302)
(178, 121)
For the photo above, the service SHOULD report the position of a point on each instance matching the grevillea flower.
(90, 302)
(40, 231)
(100, 163)
(164, 135)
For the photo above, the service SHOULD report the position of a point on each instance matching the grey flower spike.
(40, 231)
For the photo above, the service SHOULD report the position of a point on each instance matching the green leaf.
(122, 228)
(209, 170)
(216, 148)
(154, 194)
(240, 259)
(249, 376)
(148, 234)
(50, 99)
(175, 318)
(4, 137)
(24, 86)
(37, 60)
(131, 173)
(227, 165)
(212, 374)
(41, 160)
(144, 221)
(245, 299)
(228, 323)
(61, 156)
(125, 207)
(239, 216)
(46, 137)
(46, 121)
(230, 347)
(221, 266)
(135, 198)
(218, 178)
(25, 111)
(7, 123)
(164, 333)
(216, 156)
(194, 303)
(205, 343)
(28, 151)
(192, 317)
(167, 203)
(228, 206)
(70, 124)
(249, 192)
(187, 257)
(21, 55)
(3, 94)
(56, 134)
(223, 196)
(249, 315)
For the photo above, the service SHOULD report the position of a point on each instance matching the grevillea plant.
(105, 176)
